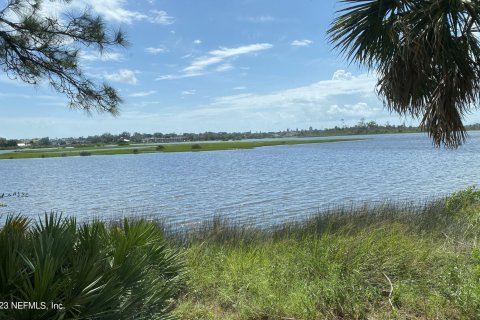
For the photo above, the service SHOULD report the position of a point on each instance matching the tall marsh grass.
(388, 261)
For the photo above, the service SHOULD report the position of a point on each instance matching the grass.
(183, 147)
(387, 261)
(393, 261)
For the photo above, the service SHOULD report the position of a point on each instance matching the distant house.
(23, 144)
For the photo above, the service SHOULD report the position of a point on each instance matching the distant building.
(23, 144)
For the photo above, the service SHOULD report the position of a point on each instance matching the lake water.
(264, 185)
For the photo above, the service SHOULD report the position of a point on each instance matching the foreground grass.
(383, 262)
(390, 261)
(179, 147)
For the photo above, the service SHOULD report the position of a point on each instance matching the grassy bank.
(390, 261)
(179, 147)
(383, 262)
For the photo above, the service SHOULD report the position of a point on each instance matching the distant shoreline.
(156, 148)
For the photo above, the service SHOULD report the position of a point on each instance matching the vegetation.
(81, 153)
(363, 127)
(36, 49)
(391, 261)
(388, 261)
(125, 138)
(94, 271)
(184, 147)
(8, 144)
(196, 146)
(426, 55)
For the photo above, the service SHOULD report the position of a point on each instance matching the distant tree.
(44, 142)
(4, 143)
(136, 137)
(37, 48)
(426, 55)
(125, 135)
(107, 138)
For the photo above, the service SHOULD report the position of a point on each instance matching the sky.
(210, 65)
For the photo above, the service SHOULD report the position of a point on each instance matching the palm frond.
(426, 54)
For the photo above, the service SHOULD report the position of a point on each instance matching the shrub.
(125, 271)
(135, 151)
(196, 146)
(85, 153)
(160, 147)
(465, 204)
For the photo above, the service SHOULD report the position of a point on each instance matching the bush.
(85, 153)
(196, 146)
(465, 204)
(135, 151)
(125, 271)
(160, 148)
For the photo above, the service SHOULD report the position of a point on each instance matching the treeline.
(4, 143)
(361, 128)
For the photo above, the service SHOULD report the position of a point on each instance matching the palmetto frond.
(426, 54)
(94, 271)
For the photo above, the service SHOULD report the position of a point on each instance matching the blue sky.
(210, 65)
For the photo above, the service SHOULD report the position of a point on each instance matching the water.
(265, 185)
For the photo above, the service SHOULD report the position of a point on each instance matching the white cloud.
(301, 43)
(112, 10)
(342, 75)
(160, 17)
(230, 52)
(142, 94)
(224, 67)
(154, 50)
(260, 19)
(197, 41)
(199, 66)
(239, 88)
(123, 75)
(96, 56)
(324, 101)
(189, 92)
(321, 104)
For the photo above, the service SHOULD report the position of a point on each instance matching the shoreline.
(158, 148)
(385, 261)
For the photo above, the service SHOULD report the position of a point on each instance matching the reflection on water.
(266, 185)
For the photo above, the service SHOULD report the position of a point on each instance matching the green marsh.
(137, 149)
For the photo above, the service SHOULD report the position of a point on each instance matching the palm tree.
(426, 54)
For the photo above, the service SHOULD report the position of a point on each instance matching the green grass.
(387, 261)
(184, 147)
(339, 265)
